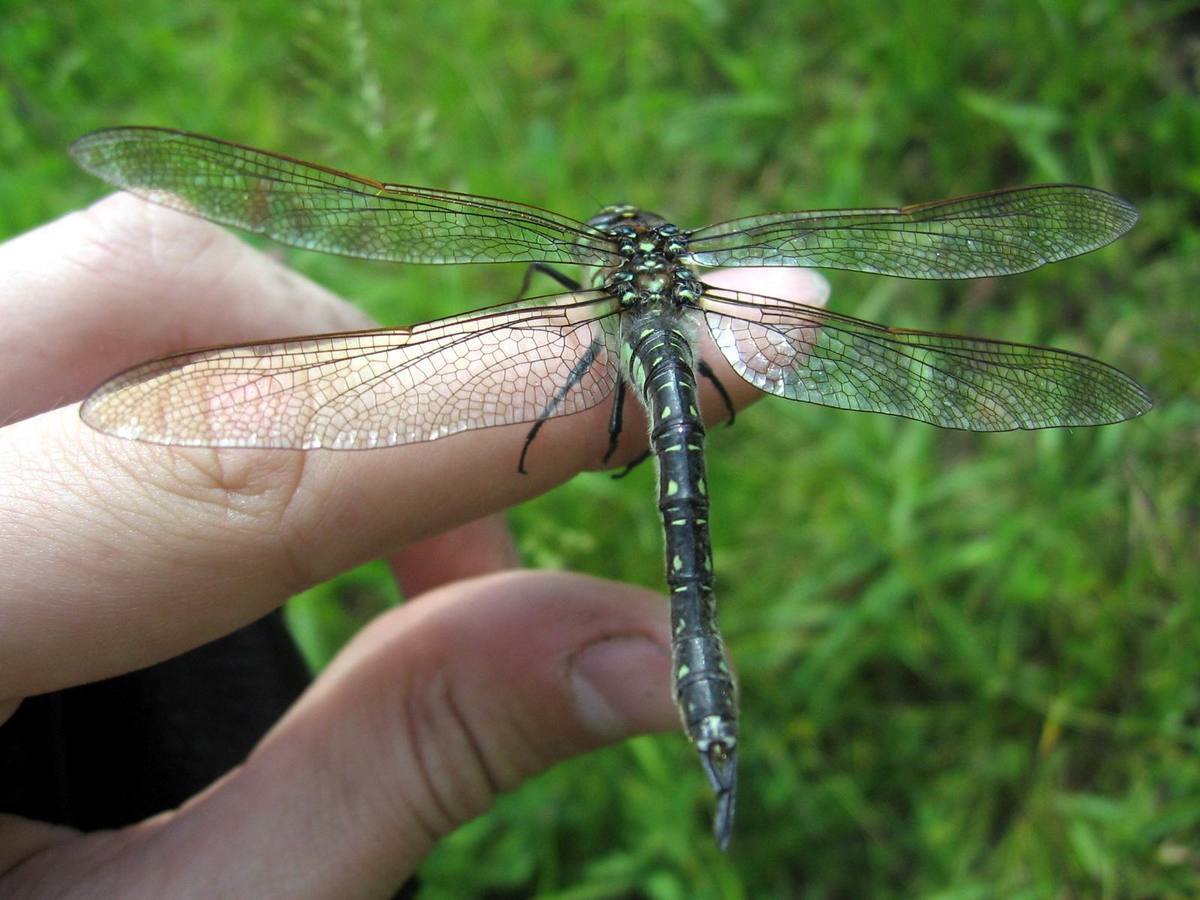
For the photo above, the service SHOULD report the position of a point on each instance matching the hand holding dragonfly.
(118, 554)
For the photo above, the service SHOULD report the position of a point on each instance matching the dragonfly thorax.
(653, 248)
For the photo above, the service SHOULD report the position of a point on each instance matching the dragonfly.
(633, 328)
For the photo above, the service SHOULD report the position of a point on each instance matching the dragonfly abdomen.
(661, 363)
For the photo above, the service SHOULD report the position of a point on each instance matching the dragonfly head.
(625, 214)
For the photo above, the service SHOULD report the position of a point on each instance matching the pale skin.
(115, 555)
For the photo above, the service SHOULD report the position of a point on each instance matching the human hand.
(115, 555)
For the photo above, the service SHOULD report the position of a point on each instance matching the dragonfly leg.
(615, 424)
(577, 372)
(525, 447)
(633, 464)
(565, 280)
(706, 370)
(616, 419)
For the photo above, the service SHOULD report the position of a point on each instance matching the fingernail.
(622, 687)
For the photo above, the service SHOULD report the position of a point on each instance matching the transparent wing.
(367, 389)
(320, 208)
(996, 233)
(810, 354)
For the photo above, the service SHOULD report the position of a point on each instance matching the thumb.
(419, 723)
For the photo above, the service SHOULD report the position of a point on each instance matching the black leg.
(614, 432)
(577, 373)
(633, 465)
(703, 368)
(615, 420)
(565, 280)
(529, 440)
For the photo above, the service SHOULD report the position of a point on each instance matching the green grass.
(970, 665)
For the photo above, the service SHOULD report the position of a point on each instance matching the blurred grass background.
(969, 664)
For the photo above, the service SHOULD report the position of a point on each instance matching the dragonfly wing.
(367, 389)
(320, 208)
(997, 233)
(814, 355)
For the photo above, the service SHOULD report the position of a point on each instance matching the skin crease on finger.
(140, 552)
